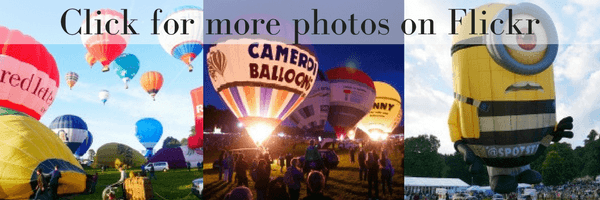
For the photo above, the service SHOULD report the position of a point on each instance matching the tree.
(193, 131)
(91, 154)
(552, 169)
(570, 168)
(171, 142)
(184, 141)
(421, 157)
(591, 137)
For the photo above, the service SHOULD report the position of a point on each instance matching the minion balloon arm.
(475, 163)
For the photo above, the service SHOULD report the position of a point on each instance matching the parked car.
(158, 166)
(197, 187)
(498, 197)
(331, 156)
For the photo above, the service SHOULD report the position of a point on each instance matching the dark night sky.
(381, 62)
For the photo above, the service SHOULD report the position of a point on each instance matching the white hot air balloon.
(103, 95)
(184, 47)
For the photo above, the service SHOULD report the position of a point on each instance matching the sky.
(115, 121)
(381, 62)
(576, 67)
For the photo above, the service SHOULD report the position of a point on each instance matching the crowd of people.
(573, 190)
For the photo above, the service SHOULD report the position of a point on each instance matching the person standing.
(122, 180)
(41, 183)
(293, 179)
(189, 166)
(94, 182)
(231, 166)
(387, 172)
(152, 172)
(362, 165)
(352, 152)
(241, 169)
(288, 160)
(199, 166)
(262, 182)
(316, 184)
(56, 175)
(226, 164)
(372, 174)
(221, 158)
(281, 163)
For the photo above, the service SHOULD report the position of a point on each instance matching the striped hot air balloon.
(385, 114)
(311, 115)
(34, 77)
(85, 145)
(151, 81)
(71, 129)
(127, 66)
(105, 47)
(90, 59)
(259, 85)
(184, 47)
(352, 97)
(72, 78)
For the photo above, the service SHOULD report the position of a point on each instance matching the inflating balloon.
(34, 77)
(127, 65)
(504, 112)
(178, 157)
(72, 78)
(28, 145)
(184, 47)
(71, 129)
(151, 81)
(104, 47)
(85, 145)
(352, 97)
(312, 113)
(197, 140)
(148, 131)
(90, 59)
(385, 114)
(103, 95)
(108, 153)
(261, 81)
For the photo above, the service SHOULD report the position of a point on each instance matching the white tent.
(428, 185)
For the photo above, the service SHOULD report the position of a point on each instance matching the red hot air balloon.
(29, 76)
(198, 101)
(352, 97)
(105, 47)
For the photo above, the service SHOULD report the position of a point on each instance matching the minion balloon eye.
(530, 52)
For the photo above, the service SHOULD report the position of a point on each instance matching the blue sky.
(576, 68)
(115, 121)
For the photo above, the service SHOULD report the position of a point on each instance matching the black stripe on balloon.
(509, 162)
(255, 84)
(506, 108)
(510, 137)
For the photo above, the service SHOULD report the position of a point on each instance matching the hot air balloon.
(103, 95)
(151, 81)
(178, 157)
(127, 65)
(196, 140)
(352, 97)
(28, 145)
(108, 153)
(311, 115)
(261, 81)
(90, 59)
(72, 130)
(105, 47)
(148, 132)
(385, 114)
(34, 77)
(85, 145)
(184, 47)
(72, 78)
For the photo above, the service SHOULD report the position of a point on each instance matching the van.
(158, 166)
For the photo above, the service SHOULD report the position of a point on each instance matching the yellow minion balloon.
(504, 112)
(26, 145)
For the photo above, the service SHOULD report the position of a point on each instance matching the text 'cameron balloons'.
(352, 97)
(184, 47)
(28, 145)
(72, 130)
(85, 145)
(151, 81)
(90, 59)
(72, 78)
(105, 47)
(385, 114)
(127, 65)
(311, 115)
(103, 95)
(34, 77)
(260, 86)
(148, 132)
(196, 140)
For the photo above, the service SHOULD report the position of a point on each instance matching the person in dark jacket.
(362, 165)
(262, 182)
(241, 168)
(281, 163)
(41, 184)
(293, 178)
(277, 190)
(288, 160)
(352, 152)
(316, 183)
(221, 157)
(372, 174)
(54, 182)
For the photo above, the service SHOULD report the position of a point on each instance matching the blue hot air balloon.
(72, 130)
(148, 132)
(87, 143)
(126, 65)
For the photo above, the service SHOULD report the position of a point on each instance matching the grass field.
(173, 184)
(343, 181)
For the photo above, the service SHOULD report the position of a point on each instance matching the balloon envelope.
(90, 59)
(258, 84)
(105, 47)
(108, 153)
(27, 145)
(85, 145)
(148, 131)
(311, 115)
(197, 100)
(71, 78)
(178, 157)
(103, 95)
(34, 78)
(151, 81)
(126, 65)
(385, 114)
(184, 47)
(71, 129)
(352, 97)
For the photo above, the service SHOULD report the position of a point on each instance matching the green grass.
(173, 184)
(343, 181)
